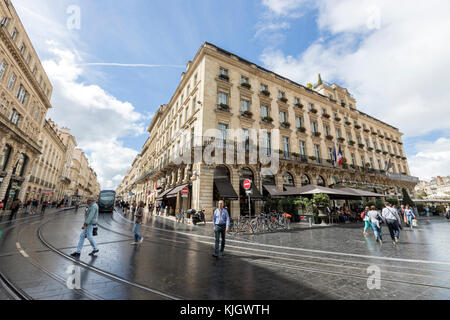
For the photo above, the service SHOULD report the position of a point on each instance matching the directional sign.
(247, 184)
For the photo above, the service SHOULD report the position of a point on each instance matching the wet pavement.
(175, 261)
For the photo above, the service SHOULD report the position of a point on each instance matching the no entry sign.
(185, 191)
(247, 184)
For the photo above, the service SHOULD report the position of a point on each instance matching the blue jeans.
(367, 225)
(87, 231)
(410, 219)
(394, 229)
(377, 231)
(137, 236)
(219, 231)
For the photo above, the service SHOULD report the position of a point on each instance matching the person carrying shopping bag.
(410, 216)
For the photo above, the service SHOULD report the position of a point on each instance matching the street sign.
(247, 184)
(185, 192)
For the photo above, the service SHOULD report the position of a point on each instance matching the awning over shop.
(174, 192)
(272, 190)
(361, 193)
(225, 189)
(314, 189)
(161, 196)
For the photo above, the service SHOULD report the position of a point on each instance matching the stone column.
(27, 176)
(179, 177)
(235, 205)
(9, 169)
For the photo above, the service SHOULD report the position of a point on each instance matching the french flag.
(340, 157)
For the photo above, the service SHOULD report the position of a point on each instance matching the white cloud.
(284, 7)
(398, 73)
(393, 56)
(432, 160)
(97, 119)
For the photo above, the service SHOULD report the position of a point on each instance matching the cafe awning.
(272, 190)
(174, 192)
(361, 193)
(314, 189)
(161, 196)
(226, 190)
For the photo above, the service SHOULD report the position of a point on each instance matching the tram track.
(241, 251)
(105, 273)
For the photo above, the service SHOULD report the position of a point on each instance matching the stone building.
(45, 182)
(299, 126)
(25, 93)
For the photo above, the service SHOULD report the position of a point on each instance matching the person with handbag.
(366, 219)
(410, 216)
(138, 220)
(90, 222)
(393, 222)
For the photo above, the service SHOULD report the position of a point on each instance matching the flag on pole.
(340, 157)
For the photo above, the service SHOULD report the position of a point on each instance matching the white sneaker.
(134, 243)
(142, 240)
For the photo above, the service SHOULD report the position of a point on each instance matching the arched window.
(288, 180)
(305, 180)
(321, 181)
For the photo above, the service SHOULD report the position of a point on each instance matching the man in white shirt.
(221, 223)
(393, 222)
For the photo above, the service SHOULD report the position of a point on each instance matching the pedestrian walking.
(28, 207)
(447, 212)
(393, 222)
(366, 219)
(376, 221)
(2, 205)
(221, 223)
(90, 222)
(409, 216)
(34, 206)
(125, 208)
(15, 207)
(427, 212)
(138, 221)
(44, 206)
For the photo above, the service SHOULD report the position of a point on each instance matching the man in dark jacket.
(15, 207)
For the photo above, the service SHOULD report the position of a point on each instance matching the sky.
(113, 63)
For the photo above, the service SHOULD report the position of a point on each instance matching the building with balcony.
(44, 183)
(301, 126)
(25, 93)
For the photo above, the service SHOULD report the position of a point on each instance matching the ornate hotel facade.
(222, 91)
(33, 152)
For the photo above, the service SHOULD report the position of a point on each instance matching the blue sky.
(296, 38)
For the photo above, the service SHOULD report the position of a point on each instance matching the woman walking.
(138, 220)
(367, 223)
(409, 215)
(376, 220)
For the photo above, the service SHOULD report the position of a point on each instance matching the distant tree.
(320, 80)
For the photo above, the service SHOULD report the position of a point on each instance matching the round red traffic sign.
(247, 184)
(185, 190)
